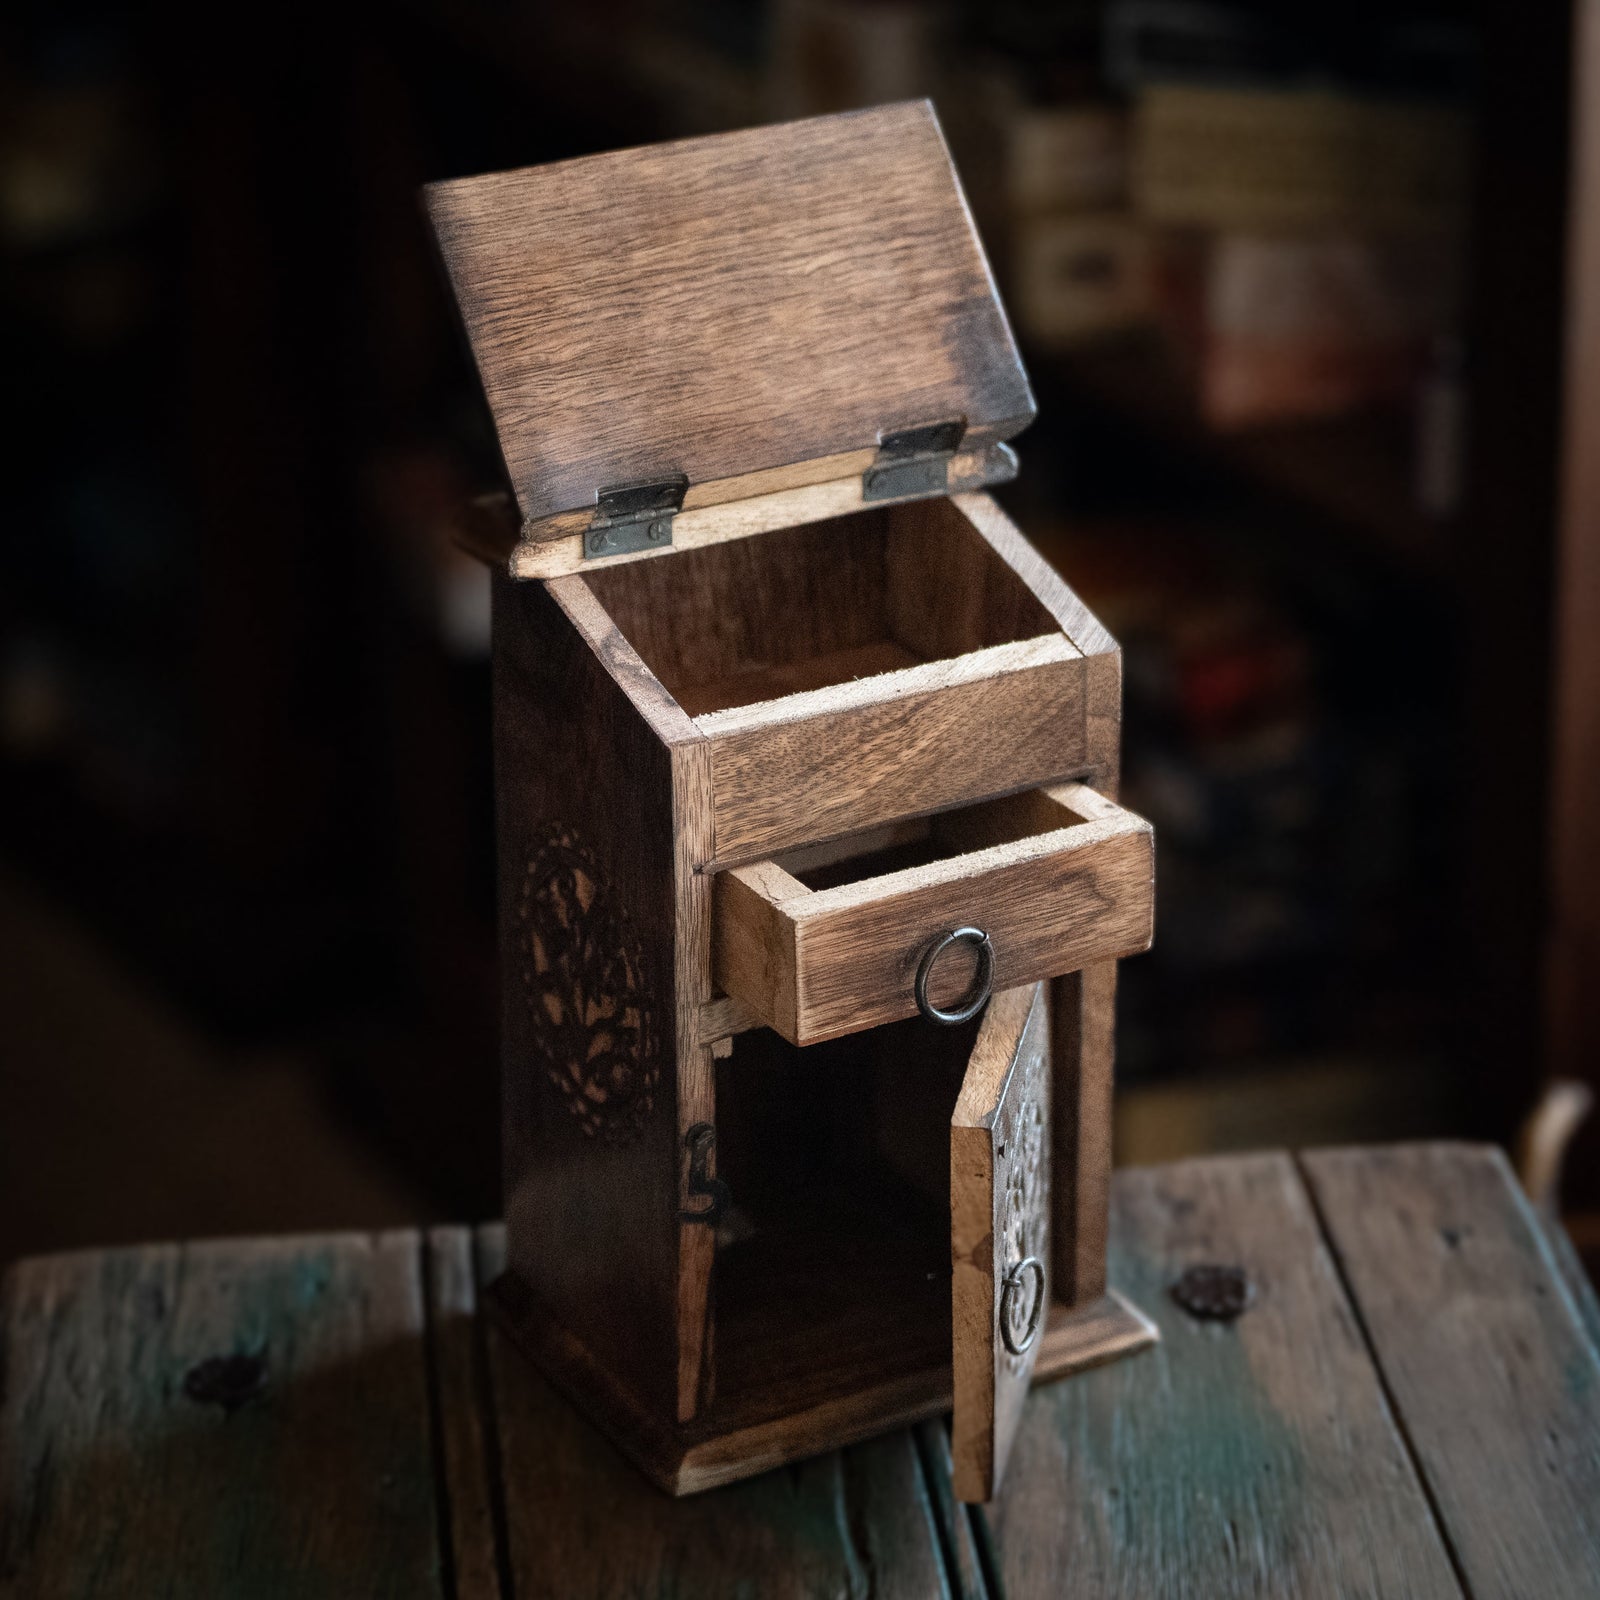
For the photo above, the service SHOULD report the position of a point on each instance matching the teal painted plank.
(1485, 1353)
(120, 1477)
(961, 1528)
(1253, 1458)
(581, 1520)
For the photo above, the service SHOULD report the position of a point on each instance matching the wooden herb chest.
(801, 752)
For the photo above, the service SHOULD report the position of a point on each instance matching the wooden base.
(728, 1442)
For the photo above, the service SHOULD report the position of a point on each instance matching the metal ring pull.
(972, 1003)
(1013, 1285)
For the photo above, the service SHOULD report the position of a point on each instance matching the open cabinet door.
(999, 1232)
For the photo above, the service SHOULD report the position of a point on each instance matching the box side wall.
(584, 822)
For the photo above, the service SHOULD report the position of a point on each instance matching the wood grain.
(1238, 1459)
(999, 1216)
(719, 615)
(1054, 896)
(720, 306)
(582, 1521)
(693, 840)
(1483, 1351)
(115, 1480)
(555, 546)
(818, 765)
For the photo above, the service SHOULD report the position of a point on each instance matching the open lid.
(706, 322)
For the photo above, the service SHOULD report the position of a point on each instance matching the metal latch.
(913, 461)
(634, 516)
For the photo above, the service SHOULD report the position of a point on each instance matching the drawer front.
(1070, 882)
(829, 762)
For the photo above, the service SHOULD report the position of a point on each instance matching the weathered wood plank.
(960, 1525)
(458, 1389)
(122, 1472)
(581, 1520)
(1253, 1458)
(1484, 1352)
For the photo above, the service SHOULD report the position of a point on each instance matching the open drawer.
(935, 913)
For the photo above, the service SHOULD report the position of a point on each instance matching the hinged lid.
(742, 315)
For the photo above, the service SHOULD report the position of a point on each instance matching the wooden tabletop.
(1409, 1406)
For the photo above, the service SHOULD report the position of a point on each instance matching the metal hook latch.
(701, 1143)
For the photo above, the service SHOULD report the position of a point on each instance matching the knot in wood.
(226, 1381)
(1214, 1293)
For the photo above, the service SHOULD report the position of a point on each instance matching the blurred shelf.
(1352, 474)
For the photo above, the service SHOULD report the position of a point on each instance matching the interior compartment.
(758, 618)
(920, 840)
(833, 1260)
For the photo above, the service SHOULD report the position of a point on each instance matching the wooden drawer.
(826, 941)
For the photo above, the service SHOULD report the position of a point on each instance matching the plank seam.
(493, 1451)
(435, 1404)
(927, 1477)
(1391, 1401)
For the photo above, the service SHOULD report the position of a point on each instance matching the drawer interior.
(802, 608)
(833, 1260)
(920, 841)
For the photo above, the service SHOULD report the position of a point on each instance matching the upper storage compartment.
(848, 673)
(700, 340)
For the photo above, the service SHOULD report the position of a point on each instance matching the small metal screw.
(658, 530)
(598, 540)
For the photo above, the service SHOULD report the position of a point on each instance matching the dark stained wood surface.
(117, 1475)
(727, 306)
(1408, 1408)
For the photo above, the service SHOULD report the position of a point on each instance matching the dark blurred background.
(1300, 292)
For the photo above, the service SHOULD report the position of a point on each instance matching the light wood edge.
(1065, 840)
(1084, 801)
(693, 840)
(972, 1366)
(626, 667)
(692, 1460)
(926, 677)
(562, 552)
(994, 1057)
(724, 1017)
(754, 945)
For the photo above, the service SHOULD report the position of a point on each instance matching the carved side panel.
(592, 1019)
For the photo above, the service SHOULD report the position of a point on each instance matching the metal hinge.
(913, 461)
(634, 516)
